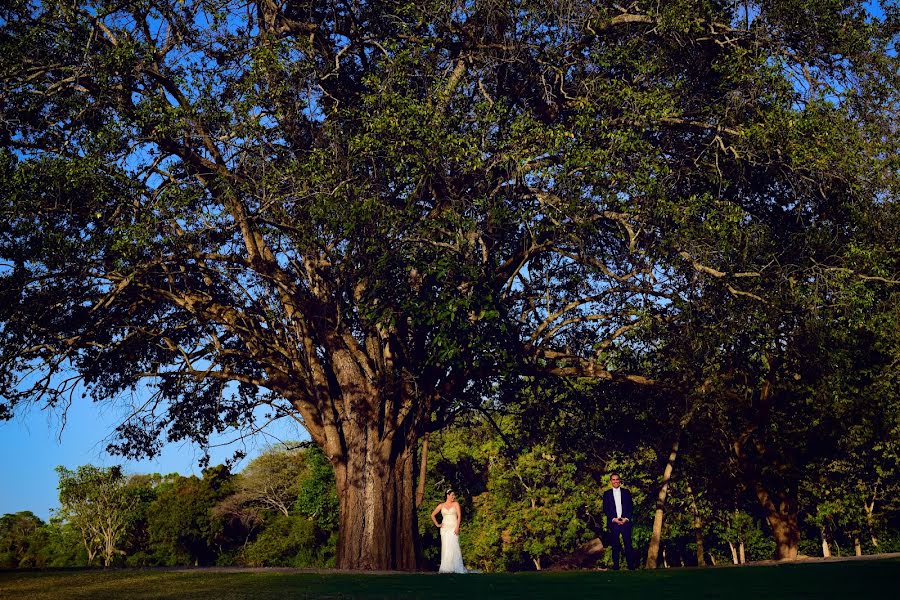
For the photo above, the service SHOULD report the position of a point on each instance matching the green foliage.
(538, 504)
(291, 541)
(272, 480)
(99, 504)
(317, 494)
(181, 525)
(20, 541)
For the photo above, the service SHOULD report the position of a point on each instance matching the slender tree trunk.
(376, 490)
(656, 536)
(701, 553)
(826, 550)
(870, 517)
(108, 551)
(665, 562)
(537, 563)
(423, 463)
(741, 556)
(88, 545)
(857, 546)
(698, 528)
(712, 559)
(734, 554)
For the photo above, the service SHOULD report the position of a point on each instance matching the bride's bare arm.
(458, 517)
(434, 513)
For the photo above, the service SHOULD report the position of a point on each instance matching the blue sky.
(32, 445)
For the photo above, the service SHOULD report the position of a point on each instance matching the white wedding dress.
(451, 555)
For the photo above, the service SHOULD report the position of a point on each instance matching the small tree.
(272, 480)
(97, 502)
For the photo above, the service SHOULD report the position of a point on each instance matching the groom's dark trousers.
(623, 531)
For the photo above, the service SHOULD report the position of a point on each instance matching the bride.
(451, 556)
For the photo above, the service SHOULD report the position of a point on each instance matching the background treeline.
(529, 478)
(280, 510)
(530, 485)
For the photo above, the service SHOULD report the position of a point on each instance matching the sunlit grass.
(870, 578)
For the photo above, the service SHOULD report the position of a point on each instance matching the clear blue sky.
(32, 445)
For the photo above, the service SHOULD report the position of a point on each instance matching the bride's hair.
(449, 491)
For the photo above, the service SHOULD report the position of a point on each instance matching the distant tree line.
(281, 510)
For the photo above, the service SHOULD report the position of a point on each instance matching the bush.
(289, 542)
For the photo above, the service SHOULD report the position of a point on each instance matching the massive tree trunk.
(376, 489)
(366, 416)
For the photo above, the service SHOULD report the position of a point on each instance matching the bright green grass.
(871, 579)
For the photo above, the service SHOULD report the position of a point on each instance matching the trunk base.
(377, 530)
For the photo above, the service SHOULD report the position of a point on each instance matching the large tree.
(360, 213)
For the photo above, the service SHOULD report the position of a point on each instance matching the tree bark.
(377, 510)
(734, 554)
(741, 556)
(870, 517)
(826, 550)
(781, 512)
(701, 553)
(656, 536)
(857, 546)
(698, 528)
(786, 532)
(87, 540)
(423, 464)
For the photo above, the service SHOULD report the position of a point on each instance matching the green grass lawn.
(870, 579)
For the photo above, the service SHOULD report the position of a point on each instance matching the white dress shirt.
(617, 496)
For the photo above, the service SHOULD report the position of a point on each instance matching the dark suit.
(623, 531)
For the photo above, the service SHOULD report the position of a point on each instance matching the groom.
(617, 507)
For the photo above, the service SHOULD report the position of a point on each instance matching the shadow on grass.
(862, 578)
